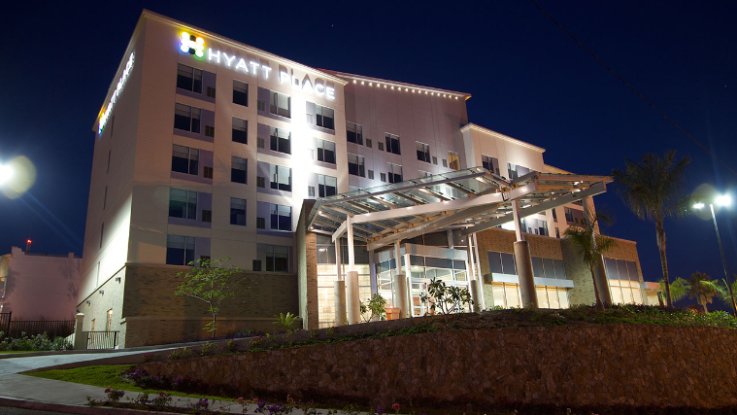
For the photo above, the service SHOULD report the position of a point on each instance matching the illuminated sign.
(106, 111)
(195, 46)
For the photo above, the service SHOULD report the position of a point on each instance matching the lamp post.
(722, 201)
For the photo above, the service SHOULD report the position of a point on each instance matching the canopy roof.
(471, 200)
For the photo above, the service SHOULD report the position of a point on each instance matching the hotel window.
(281, 218)
(280, 140)
(320, 116)
(354, 132)
(281, 105)
(280, 178)
(453, 161)
(240, 130)
(238, 167)
(237, 211)
(326, 151)
(491, 164)
(187, 118)
(185, 160)
(502, 263)
(356, 165)
(240, 93)
(109, 320)
(179, 249)
(182, 204)
(515, 171)
(189, 78)
(272, 258)
(394, 173)
(554, 211)
(326, 185)
(574, 216)
(423, 152)
(392, 144)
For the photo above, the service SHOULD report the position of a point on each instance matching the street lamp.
(723, 200)
(7, 172)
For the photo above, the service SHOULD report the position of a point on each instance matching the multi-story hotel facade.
(207, 147)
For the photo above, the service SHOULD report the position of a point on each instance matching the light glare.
(723, 200)
(698, 206)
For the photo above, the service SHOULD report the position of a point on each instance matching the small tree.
(374, 307)
(287, 321)
(445, 300)
(208, 281)
(591, 246)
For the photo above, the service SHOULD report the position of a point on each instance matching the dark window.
(354, 132)
(240, 131)
(189, 78)
(187, 118)
(237, 211)
(260, 223)
(392, 144)
(281, 177)
(240, 93)
(326, 151)
(454, 162)
(273, 257)
(206, 215)
(182, 204)
(394, 174)
(209, 131)
(281, 105)
(179, 249)
(327, 185)
(423, 152)
(490, 163)
(324, 117)
(207, 172)
(280, 140)
(238, 168)
(281, 218)
(185, 160)
(356, 165)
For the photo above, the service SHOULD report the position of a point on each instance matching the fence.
(97, 340)
(52, 328)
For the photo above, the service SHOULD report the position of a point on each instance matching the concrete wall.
(569, 366)
(39, 287)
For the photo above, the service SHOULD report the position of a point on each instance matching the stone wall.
(152, 313)
(574, 366)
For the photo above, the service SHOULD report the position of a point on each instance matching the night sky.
(609, 82)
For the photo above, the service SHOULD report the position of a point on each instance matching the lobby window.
(281, 177)
(356, 165)
(326, 185)
(237, 211)
(324, 117)
(240, 93)
(392, 144)
(280, 140)
(454, 162)
(281, 218)
(240, 131)
(272, 258)
(179, 249)
(326, 151)
(182, 204)
(423, 152)
(238, 167)
(187, 118)
(354, 132)
(394, 173)
(185, 160)
(189, 78)
(490, 163)
(281, 105)
(515, 171)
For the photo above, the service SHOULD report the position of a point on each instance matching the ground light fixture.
(720, 200)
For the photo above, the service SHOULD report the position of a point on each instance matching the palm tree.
(678, 288)
(702, 288)
(591, 246)
(652, 190)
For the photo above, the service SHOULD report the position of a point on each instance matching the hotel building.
(207, 147)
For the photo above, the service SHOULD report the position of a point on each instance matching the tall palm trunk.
(660, 233)
(703, 304)
(599, 303)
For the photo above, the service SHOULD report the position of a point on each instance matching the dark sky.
(528, 77)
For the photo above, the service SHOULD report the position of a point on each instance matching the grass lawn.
(109, 376)
(16, 351)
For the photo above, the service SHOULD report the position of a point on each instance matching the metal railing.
(18, 328)
(5, 319)
(98, 340)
